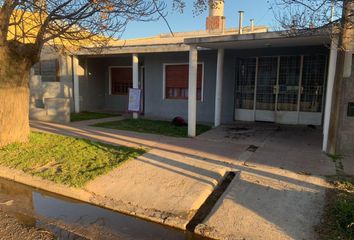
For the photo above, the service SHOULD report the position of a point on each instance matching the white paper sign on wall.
(134, 100)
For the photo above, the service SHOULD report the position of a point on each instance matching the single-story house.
(215, 76)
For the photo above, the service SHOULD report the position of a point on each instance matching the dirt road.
(12, 229)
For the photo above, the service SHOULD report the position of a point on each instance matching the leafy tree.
(27, 25)
(336, 17)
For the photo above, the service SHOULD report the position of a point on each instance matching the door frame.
(283, 117)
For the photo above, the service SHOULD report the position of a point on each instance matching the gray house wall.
(95, 90)
(115, 102)
(158, 107)
(92, 89)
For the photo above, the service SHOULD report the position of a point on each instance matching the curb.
(83, 195)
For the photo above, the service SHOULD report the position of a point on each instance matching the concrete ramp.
(163, 186)
(267, 205)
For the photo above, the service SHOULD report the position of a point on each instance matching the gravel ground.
(12, 229)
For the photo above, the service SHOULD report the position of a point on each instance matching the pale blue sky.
(257, 9)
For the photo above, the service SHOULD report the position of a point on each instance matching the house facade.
(250, 79)
(215, 76)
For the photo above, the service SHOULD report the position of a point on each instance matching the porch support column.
(192, 91)
(329, 91)
(75, 62)
(218, 87)
(135, 61)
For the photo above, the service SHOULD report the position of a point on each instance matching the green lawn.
(75, 117)
(338, 219)
(65, 160)
(152, 126)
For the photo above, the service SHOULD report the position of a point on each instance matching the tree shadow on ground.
(281, 199)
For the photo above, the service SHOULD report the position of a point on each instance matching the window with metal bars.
(312, 83)
(48, 69)
(176, 81)
(121, 80)
(289, 75)
(245, 83)
(266, 80)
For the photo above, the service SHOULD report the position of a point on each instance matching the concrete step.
(38, 114)
(55, 110)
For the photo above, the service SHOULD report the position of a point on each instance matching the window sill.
(180, 99)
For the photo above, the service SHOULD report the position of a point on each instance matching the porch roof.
(260, 40)
(114, 50)
(181, 43)
(161, 43)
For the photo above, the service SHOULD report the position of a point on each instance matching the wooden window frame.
(164, 65)
(110, 80)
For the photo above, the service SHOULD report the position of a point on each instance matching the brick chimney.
(216, 19)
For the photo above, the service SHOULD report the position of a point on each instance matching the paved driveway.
(279, 190)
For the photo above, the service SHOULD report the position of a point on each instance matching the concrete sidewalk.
(168, 184)
(273, 191)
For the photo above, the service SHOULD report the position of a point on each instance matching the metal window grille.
(48, 69)
(288, 83)
(266, 82)
(245, 83)
(121, 80)
(176, 81)
(312, 83)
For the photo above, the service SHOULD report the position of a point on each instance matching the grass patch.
(338, 218)
(65, 160)
(152, 126)
(75, 117)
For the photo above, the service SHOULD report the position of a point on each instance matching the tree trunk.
(14, 115)
(14, 97)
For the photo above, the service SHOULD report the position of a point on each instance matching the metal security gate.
(266, 91)
(282, 89)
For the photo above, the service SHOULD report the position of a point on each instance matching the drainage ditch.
(210, 202)
(70, 219)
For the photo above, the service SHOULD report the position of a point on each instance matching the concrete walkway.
(278, 191)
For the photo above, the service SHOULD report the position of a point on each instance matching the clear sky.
(257, 9)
